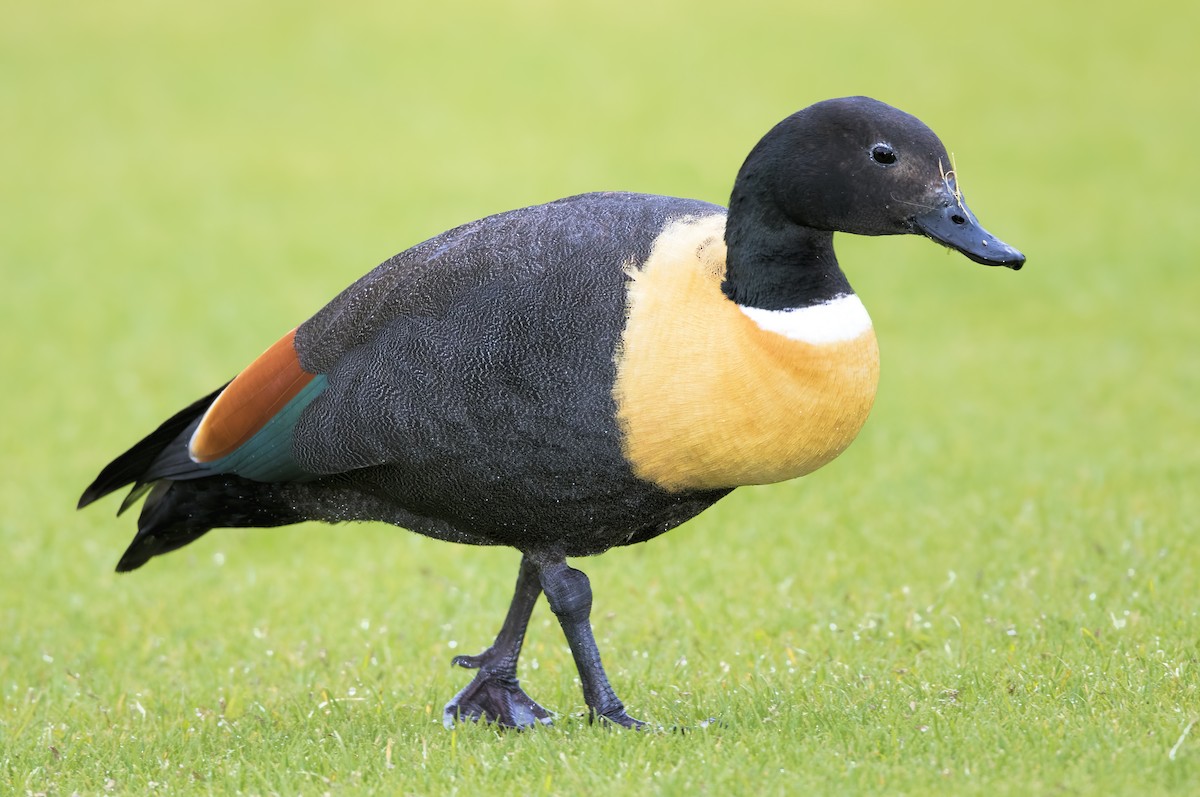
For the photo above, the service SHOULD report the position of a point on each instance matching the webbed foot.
(493, 697)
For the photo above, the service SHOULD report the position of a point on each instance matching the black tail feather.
(185, 500)
(159, 531)
(132, 466)
(177, 513)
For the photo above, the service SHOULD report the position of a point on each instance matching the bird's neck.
(776, 264)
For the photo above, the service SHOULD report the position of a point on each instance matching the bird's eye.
(883, 153)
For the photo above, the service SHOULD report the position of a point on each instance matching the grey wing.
(497, 336)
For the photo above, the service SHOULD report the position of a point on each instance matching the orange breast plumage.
(712, 395)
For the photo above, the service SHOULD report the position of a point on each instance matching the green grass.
(993, 592)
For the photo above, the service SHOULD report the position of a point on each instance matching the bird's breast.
(711, 395)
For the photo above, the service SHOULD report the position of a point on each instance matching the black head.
(860, 166)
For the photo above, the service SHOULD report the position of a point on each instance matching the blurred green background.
(993, 591)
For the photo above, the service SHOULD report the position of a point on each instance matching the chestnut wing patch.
(248, 429)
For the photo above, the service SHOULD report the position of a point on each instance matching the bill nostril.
(957, 219)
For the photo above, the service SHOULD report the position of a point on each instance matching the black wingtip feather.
(139, 489)
(132, 466)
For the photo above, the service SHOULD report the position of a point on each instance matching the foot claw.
(617, 717)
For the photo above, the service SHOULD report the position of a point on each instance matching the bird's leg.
(495, 695)
(570, 597)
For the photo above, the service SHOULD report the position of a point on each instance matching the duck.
(570, 377)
